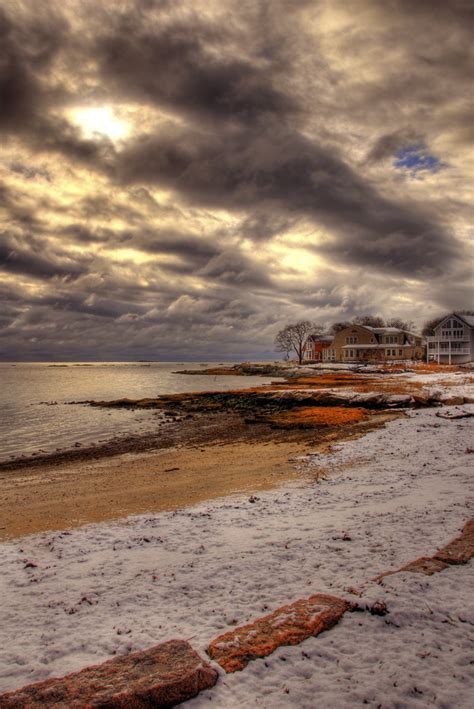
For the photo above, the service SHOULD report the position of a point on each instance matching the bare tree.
(401, 324)
(293, 337)
(369, 320)
(429, 326)
(338, 326)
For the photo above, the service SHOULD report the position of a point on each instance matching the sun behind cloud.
(100, 121)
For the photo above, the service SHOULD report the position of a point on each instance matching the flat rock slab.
(458, 551)
(461, 549)
(162, 676)
(288, 625)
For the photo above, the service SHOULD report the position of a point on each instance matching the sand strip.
(61, 497)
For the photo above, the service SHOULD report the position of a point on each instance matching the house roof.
(380, 346)
(320, 338)
(468, 319)
(389, 331)
(384, 330)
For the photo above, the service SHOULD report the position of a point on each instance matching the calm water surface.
(30, 423)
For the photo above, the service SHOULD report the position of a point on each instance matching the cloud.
(27, 256)
(263, 178)
(291, 175)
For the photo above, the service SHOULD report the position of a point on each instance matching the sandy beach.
(72, 494)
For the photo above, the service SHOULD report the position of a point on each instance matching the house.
(360, 343)
(453, 340)
(314, 346)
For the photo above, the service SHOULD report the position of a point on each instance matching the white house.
(453, 340)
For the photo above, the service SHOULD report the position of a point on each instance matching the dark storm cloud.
(293, 176)
(187, 66)
(27, 255)
(387, 145)
(192, 248)
(29, 44)
(245, 149)
(196, 251)
(17, 211)
(234, 269)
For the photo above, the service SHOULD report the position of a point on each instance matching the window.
(351, 340)
(400, 353)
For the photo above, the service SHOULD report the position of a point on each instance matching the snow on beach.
(75, 598)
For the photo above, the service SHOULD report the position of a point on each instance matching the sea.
(36, 415)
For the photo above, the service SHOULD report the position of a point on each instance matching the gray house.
(453, 340)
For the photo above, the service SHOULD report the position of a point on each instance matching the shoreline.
(212, 444)
(67, 494)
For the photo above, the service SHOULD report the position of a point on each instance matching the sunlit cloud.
(96, 122)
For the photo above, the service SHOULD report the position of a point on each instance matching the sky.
(180, 179)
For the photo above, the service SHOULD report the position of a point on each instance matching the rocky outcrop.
(267, 400)
(251, 369)
(289, 625)
(162, 676)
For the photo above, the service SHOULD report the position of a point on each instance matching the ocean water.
(31, 423)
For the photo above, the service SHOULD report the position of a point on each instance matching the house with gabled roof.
(314, 346)
(453, 340)
(361, 343)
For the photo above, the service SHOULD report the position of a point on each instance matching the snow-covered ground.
(76, 598)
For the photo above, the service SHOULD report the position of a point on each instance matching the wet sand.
(40, 498)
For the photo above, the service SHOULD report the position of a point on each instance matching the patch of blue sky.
(415, 159)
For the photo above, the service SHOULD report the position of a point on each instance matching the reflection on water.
(35, 415)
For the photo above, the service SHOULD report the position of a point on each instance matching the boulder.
(288, 625)
(161, 676)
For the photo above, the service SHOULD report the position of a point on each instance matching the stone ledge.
(288, 625)
(459, 551)
(161, 676)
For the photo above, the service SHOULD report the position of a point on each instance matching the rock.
(162, 676)
(459, 551)
(424, 565)
(288, 625)
(378, 608)
(452, 400)
(453, 415)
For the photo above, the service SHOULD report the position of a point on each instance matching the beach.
(69, 495)
(220, 525)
